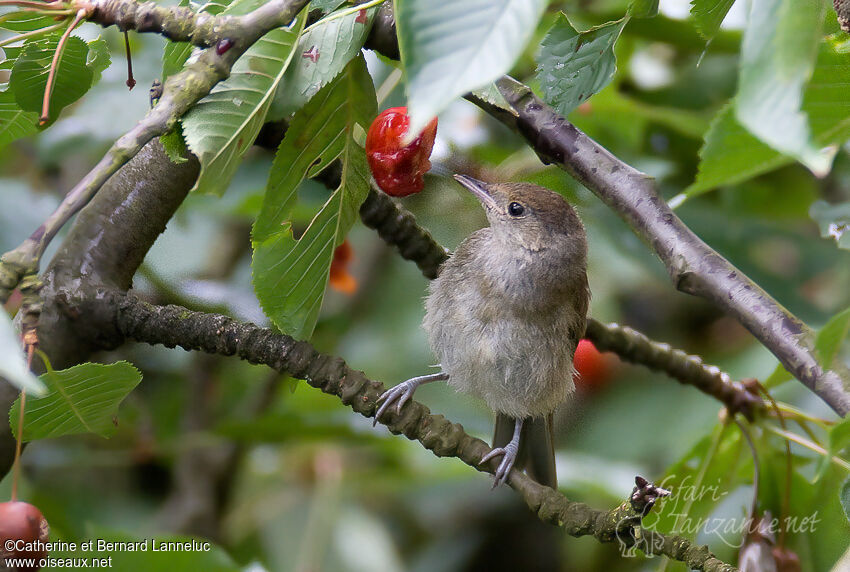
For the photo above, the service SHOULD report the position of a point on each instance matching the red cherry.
(341, 279)
(592, 366)
(398, 169)
(24, 525)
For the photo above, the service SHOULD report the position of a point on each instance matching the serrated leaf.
(29, 74)
(221, 127)
(13, 366)
(731, 154)
(709, 14)
(98, 58)
(777, 58)
(174, 145)
(574, 65)
(290, 274)
(323, 51)
(449, 48)
(80, 399)
(15, 123)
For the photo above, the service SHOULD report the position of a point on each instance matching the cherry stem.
(786, 497)
(131, 82)
(54, 65)
(18, 446)
(33, 34)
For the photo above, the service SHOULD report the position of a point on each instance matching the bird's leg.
(510, 453)
(404, 391)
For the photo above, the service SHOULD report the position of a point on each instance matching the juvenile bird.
(505, 315)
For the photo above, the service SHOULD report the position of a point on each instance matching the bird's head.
(526, 215)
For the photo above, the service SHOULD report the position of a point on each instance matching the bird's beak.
(479, 189)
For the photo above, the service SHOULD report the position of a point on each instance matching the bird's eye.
(515, 209)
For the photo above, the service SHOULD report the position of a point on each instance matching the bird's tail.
(536, 446)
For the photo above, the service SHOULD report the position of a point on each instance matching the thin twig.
(788, 435)
(177, 326)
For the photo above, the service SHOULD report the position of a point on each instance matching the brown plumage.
(506, 313)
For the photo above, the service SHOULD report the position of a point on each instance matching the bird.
(504, 317)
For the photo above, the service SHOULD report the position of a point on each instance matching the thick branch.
(177, 23)
(398, 228)
(176, 326)
(694, 267)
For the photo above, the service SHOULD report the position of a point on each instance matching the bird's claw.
(400, 393)
(509, 453)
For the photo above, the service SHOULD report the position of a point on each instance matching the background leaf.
(13, 366)
(833, 221)
(643, 8)
(845, 498)
(575, 65)
(323, 51)
(290, 275)
(709, 14)
(15, 123)
(29, 74)
(732, 154)
(449, 48)
(777, 58)
(223, 125)
(80, 399)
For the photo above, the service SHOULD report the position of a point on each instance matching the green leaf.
(643, 8)
(223, 125)
(323, 51)
(81, 399)
(26, 22)
(13, 366)
(827, 344)
(831, 336)
(326, 6)
(174, 145)
(15, 123)
(731, 154)
(290, 274)
(29, 74)
(573, 66)
(449, 48)
(709, 14)
(833, 221)
(844, 495)
(98, 58)
(777, 59)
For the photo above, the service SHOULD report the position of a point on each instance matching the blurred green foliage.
(312, 486)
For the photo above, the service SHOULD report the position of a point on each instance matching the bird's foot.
(402, 392)
(509, 453)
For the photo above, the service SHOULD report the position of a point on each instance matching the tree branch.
(174, 326)
(694, 267)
